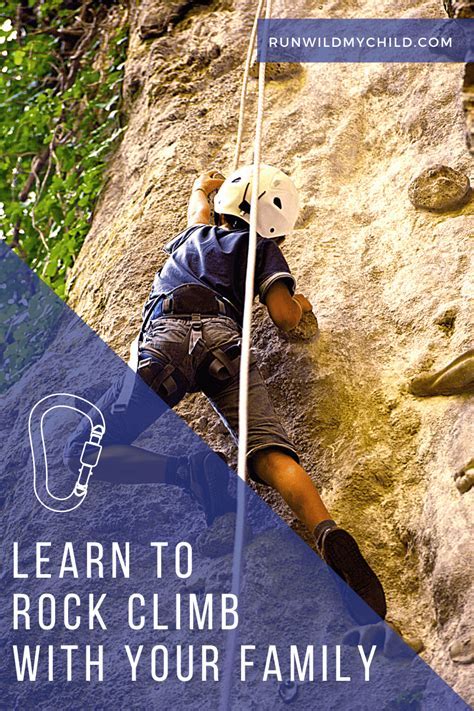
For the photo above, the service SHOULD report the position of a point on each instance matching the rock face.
(378, 273)
(439, 188)
(459, 8)
(455, 379)
(462, 652)
(464, 9)
(464, 479)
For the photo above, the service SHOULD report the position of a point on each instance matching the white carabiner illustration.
(89, 457)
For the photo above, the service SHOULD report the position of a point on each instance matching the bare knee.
(274, 466)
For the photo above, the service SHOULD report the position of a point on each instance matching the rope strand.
(237, 562)
(245, 81)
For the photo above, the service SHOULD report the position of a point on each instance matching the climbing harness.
(89, 457)
(189, 301)
(192, 303)
(160, 374)
(166, 378)
(219, 367)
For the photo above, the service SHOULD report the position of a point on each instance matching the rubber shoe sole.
(341, 552)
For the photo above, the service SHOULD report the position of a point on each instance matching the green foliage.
(21, 304)
(60, 119)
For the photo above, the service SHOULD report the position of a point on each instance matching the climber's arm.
(285, 310)
(199, 211)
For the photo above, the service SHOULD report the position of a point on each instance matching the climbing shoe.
(205, 475)
(340, 551)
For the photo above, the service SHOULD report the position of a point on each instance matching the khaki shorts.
(170, 336)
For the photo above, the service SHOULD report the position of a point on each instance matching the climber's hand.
(305, 304)
(208, 181)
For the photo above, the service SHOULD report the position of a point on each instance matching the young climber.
(191, 342)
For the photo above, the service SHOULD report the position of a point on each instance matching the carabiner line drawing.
(89, 457)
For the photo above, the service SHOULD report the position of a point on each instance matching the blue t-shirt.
(217, 258)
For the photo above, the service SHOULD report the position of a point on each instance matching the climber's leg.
(126, 464)
(272, 457)
(335, 545)
(280, 471)
(273, 460)
(122, 463)
(203, 474)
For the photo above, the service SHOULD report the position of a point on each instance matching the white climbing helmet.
(277, 202)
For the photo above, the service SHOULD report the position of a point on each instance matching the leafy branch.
(60, 119)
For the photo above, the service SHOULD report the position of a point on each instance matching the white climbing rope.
(245, 81)
(250, 276)
(237, 562)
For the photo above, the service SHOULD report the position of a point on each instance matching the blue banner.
(364, 40)
(116, 568)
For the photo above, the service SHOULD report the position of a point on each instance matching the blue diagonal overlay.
(68, 568)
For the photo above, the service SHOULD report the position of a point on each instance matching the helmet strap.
(244, 206)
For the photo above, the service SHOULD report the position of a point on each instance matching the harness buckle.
(221, 307)
(195, 333)
(167, 305)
